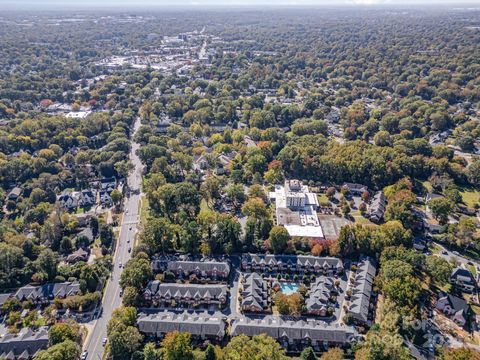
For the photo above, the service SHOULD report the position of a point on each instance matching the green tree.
(210, 353)
(67, 350)
(441, 209)
(176, 346)
(61, 332)
(308, 354)
(278, 239)
(137, 273)
(439, 269)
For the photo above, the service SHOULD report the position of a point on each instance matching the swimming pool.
(288, 288)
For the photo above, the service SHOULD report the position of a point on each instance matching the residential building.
(377, 207)
(254, 293)
(454, 307)
(200, 326)
(213, 270)
(292, 263)
(355, 189)
(361, 286)
(463, 279)
(319, 296)
(24, 345)
(296, 209)
(87, 198)
(68, 200)
(298, 333)
(14, 194)
(76, 256)
(44, 294)
(164, 294)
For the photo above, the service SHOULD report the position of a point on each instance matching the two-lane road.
(131, 216)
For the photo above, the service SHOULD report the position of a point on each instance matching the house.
(44, 294)
(200, 326)
(377, 207)
(292, 263)
(87, 198)
(204, 269)
(297, 334)
(108, 184)
(14, 194)
(76, 256)
(249, 142)
(87, 233)
(68, 200)
(296, 209)
(254, 293)
(162, 294)
(24, 345)
(105, 198)
(454, 307)
(319, 296)
(361, 286)
(355, 189)
(463, 279)
(431, 196)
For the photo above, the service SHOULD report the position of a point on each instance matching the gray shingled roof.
(185, 291)
(27, 341)
(192, 266)
(293, 330)
(319, 294)
(48, 291)
(329, 263)
(255, 291)
(196, 324)
(362, 290)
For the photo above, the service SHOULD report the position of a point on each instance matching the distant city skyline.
(218, 3)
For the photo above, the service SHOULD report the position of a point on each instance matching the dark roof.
(293, 330)
(192, 266)
(198, 292)
(195, 324)
(48, 291)
(26, 342)
(456, 303)
(294, 260)
(362, 290)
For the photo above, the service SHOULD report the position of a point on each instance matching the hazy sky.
(193, 3)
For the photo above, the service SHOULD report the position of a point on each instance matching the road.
(131, 216)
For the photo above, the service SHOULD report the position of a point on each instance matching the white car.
(84, 355)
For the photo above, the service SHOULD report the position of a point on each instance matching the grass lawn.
(472, 269)
(470, 197)
(435, 249)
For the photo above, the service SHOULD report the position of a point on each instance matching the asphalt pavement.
(112, 300)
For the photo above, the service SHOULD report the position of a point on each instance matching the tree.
(289, 304)
(116, 196)
(210, 353)
(439, 269)
(441, 209)
(461, 354)
(258, 347)
(66, 350)
(333, 354)
(308, 354)
(176, 346)
(123, 336)
(255, 208)
(136, 274)
(236, 194)
(150, 352)
(278, 239)
(61, 332)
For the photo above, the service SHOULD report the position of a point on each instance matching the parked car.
(84, 355)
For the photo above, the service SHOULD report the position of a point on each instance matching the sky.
(222, 3)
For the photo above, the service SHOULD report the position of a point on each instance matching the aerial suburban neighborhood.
(198, 182)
